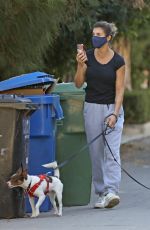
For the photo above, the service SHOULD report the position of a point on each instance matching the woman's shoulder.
(119, 60)
(118, 56)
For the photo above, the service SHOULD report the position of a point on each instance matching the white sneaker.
(100, 202)
(111, 200)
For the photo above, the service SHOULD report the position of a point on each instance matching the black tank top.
(101, 79)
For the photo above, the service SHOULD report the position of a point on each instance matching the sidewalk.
(131, 214)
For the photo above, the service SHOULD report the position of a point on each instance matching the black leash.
(105, 132)
(74, 155)
(128, 174)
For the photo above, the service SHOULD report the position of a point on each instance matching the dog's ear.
(21, 166)
(19, 171)
(24, 173)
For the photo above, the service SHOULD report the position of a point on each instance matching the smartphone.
(80, 48)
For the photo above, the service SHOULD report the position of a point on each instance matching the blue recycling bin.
(42, 123)
(42, 137)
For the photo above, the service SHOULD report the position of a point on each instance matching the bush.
(137, 106)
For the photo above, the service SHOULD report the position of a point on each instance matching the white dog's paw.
(33, 215)
(55, 212)
(59, 214)
(37, 213)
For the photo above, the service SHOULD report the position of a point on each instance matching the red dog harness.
(31, 190)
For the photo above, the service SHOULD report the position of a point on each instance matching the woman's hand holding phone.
(81, 54)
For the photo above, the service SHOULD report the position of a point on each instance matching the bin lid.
(26, 80)
(13, 101)
(65, 88)
(4, 98)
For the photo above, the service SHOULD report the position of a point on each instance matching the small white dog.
(40, 186)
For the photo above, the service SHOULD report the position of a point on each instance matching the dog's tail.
(54, 166)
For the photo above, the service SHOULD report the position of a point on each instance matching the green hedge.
(137, 106)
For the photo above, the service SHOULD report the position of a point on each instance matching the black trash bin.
(14, 139)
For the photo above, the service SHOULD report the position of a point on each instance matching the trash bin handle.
(58, 111)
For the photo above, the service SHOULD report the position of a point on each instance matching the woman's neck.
(104, 54)
(103, 51)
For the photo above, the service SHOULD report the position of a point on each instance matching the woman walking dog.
(104, 72)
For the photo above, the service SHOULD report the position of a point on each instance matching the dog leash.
(74, 155)
(125, 171)
(103, 133)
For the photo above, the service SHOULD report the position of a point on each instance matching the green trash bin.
(76, 175)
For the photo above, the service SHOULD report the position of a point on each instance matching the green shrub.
(137, 106)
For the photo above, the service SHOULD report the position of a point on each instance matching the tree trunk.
(123, 47)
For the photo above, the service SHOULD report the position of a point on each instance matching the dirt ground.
(137, 152)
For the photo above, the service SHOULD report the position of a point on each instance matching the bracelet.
(115, 116)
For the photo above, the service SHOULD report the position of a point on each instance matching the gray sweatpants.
(106, 174)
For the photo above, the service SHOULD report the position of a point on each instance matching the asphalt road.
(133, 213)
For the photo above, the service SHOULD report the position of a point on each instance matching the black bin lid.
(15, 102)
